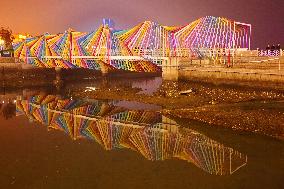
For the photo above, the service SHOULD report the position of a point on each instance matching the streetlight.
(2, 43)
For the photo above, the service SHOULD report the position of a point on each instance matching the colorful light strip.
(141, 131)
(138, 49)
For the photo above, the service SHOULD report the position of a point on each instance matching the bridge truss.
(141, 48)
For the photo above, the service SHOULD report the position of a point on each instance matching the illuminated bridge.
(146, 132)
(144, 48)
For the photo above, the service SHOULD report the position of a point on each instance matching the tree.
(6, 35)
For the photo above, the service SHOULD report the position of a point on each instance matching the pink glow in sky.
(53, 16)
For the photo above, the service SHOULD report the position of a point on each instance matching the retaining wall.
(231, 75)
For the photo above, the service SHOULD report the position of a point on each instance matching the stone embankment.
(219, 73)
(21, 75)
(253, 69)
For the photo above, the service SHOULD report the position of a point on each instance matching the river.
(54, 140)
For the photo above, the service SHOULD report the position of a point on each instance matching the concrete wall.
(246, 70)
(170, 68)
(230, 75)
(170, 73)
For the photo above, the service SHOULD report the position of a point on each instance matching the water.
(49, 140)
(147, 86)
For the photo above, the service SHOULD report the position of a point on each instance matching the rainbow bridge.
(148, 133)
(144, 48)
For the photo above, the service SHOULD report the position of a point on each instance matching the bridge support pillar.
(170, 68)
(104, 70)
(169, 124)
(58, 82)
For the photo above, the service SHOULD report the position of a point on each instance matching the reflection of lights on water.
(12, 101)
(31, 120)
(88, 89)
(181, 143)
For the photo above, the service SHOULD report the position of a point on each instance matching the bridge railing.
(270, 52)
(9, 60)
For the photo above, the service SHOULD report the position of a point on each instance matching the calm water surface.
(55, 141)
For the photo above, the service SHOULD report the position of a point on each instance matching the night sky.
(54, 16)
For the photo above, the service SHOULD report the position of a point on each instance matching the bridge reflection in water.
(147, 132)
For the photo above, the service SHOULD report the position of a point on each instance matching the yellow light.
(2, 42)
(22, 36)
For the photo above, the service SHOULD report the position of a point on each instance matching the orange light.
(22, 36)
(2, 41)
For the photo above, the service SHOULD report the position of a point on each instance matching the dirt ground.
(243, 108)
(239, 108)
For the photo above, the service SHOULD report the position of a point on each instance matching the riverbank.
(19, 75)
(251, 107)
(22, 75)
(243, 109)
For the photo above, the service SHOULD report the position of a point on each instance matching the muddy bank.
(168, 94)
(243, 108)
(239, 108)
(262, 120)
